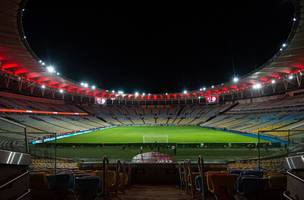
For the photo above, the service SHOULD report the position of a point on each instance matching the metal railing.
(19, 134)
(14, 180)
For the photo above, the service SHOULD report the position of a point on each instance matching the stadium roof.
(20, 62)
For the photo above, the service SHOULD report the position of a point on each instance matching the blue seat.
(256, 173)
(199, 184)
(88, 187)
(236, 171)
(61, 182)
(250, 185)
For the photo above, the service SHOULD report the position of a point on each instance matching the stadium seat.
(199, 184)
(251, 186)
(88, 187)
(221, 184)
(62, 184)
(256, 173)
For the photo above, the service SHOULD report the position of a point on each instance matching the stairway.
(154, 192)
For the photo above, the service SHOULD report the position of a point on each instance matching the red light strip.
(4, 110)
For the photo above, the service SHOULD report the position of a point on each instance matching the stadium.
(61, 139)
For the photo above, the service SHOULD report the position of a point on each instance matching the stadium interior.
(64, 140)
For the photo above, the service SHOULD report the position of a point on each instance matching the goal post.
(155, 139)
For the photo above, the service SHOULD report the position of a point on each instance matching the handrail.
(105, 164)
(24, 194)
(287, 196)
(14, 180)
(294, 176)
(24, 129)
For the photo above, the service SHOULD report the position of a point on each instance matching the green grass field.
(160, 134)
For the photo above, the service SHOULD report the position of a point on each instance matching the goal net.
(155, 139)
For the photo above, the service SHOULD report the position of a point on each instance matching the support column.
(299, 80)
(20, 83)
(7, 81)
(285, 83)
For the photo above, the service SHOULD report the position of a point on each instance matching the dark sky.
(156, 47)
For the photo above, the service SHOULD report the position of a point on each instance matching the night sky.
(156, 47)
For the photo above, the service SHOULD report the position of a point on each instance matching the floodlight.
(284, 45)
(61, 91)
(273, 81)
(93, 87)
(235, 79)
(43, 86)
(290, 77)
(50, 69)
(257, 86)
(185, 92)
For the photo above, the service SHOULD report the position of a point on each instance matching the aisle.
(154, 192)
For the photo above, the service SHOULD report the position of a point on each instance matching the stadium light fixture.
(185, 92)
(212, 86)
(290, 77)
(113, 91)
(61, 91)
(93, 87)
(51, 69)
(204, 88)
(284, 45)
(257, 86)
(86, 85)
(281, 49)
(235, 79)
(43, 63)
(43, 86)
(143, 94)
(58, 74)
(273, 81)
(40, 61)
(120, 92)
(294, 19)
(166, 93)
(136, 94)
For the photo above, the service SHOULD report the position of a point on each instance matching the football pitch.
(157, 134)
